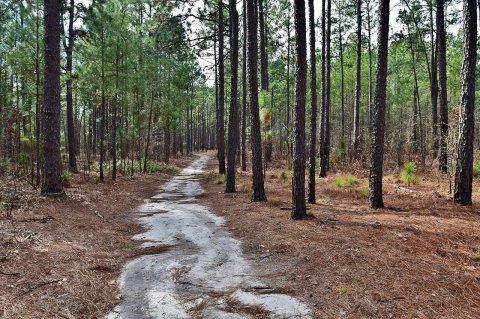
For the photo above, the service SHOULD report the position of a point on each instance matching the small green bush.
(342, 181)
(342, 290)
(338, 181)
(350, 180)
(476, 168)
(363, 191)
(476, 257)
(408, 174)
(66, 178)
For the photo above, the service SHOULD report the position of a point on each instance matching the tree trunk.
(264, 74)
(257, 176)
(313, 95)
(103, 106)
(72, 161)
(289, 151)
(37, 96)
(342, 75)
(442, 76)
(244, 90)
(370, 63)
(52, 183)
(358, 85)
(325, 155)
(464, 173)
(299, 210)
(378, 114)
(323, 172)
(149, 130)
(221, 94)
(233, 116)
(434, 80)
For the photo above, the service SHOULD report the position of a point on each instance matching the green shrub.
(342, 290)
(344, 181)
(476, 257)
(408, 174)
(476, 168)
(157, 167)
(350, 180)
(66, 178)
(338, 181)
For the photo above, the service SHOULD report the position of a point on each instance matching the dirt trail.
(203, 274)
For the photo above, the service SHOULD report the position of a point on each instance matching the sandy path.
(204, 274)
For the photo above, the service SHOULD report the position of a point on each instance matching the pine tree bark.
(464, 172)
(289, 150)
(52, 182)
(221, 93)
(323, 112)
(149, 130)
(299, 210)
(313, 102)
(103, 106)
(342, 74)
(244, 90)
(72, 161)
(325, 148)
(378, 112)
(434, 80)
(442, 77)
(264, 73)
(233, 125)
(370, 63)
(257, 176)
(37, 97)
(358, 84)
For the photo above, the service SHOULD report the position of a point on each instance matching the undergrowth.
(157, 167)
(408, 174)
(345, 181)
(476, 168)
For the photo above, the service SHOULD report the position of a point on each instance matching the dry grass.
(232, 305)
(412, 259)
(60, 257)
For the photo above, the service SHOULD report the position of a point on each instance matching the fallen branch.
(9, 273)
(41, 220)
(42, 284)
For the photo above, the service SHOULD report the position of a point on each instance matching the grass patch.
(350, 180)
(338, 182)
(345, 181)
(408, 174)
(66, 178)
(342, 290)
(157, 167)
(221, 179)
(476, 168)
(363, 191)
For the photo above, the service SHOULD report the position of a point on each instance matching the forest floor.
(413, 259)
(61, 257)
